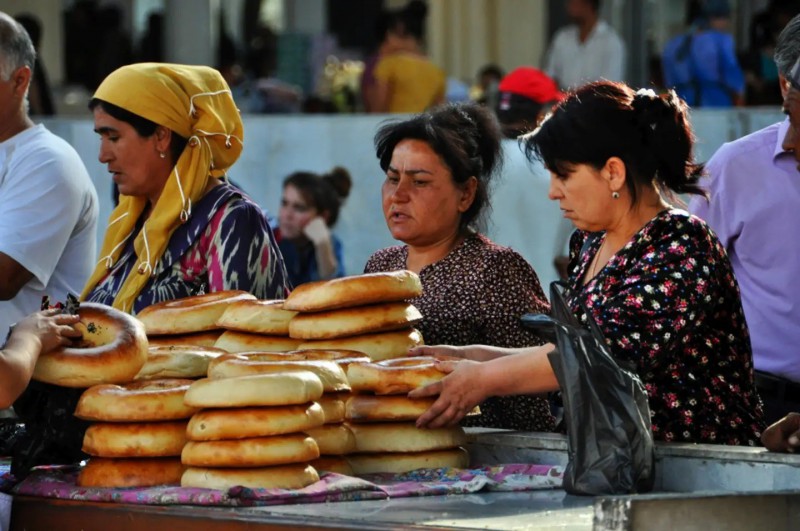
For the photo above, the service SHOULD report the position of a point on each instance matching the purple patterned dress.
(476, 295)
(669, 303)
(225, 245)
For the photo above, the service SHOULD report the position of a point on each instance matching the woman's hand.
(459, 392)
(51, 328)
(784, 435)
(317, 231)
(469, 352)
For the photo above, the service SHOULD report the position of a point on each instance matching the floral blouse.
(668, 303)
(476, 295)
(225, 245)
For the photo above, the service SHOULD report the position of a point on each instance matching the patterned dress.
(226, 244)
(669, 303)
(476, 295)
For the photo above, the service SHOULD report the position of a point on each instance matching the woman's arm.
(468, 383)
(38, 333)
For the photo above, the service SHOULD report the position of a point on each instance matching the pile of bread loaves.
(273, 404)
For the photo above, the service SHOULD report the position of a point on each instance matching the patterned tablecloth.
(59, 482)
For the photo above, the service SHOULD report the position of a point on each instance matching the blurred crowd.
(704, 63)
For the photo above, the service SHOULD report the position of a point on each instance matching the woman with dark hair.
(404, 80)
(168, 134)
(439, 168)
(655, 279)
(309, 207)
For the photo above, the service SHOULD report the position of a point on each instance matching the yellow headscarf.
(196, 103)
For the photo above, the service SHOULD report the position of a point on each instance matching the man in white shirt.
(587, 50)
(48, 204)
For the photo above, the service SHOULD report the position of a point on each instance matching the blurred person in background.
(40, 97)
(309, 209)
(485, 89)
(587, 50)
(525, 96)
(761, 74)
(406, 81)
(701, 65)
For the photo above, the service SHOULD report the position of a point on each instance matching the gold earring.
(162, 154)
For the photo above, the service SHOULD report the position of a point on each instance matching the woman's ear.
(468, 191)
(163, 137)
(615, 173)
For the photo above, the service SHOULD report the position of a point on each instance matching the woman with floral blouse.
(655, 279)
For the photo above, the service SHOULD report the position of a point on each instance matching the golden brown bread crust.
(329, 372)
(124, 473)
(252, 356)
(200, 339)
(116, 349)
(342, 357)
(380, 346)
(387, 378)
(281, 389)
(241, 423)
(404, 437)
(354, 321)
(177, 361)
(399, 408)
(257, 317)
(332, 405)
(197, 313)
(251, 453)
(399, 462)
(355, 290)
(148, 400)
(273, 477)
(332, 463)
(135, 439)
(236, 342)
(333, 439)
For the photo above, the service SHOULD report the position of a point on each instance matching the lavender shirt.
(754, 189)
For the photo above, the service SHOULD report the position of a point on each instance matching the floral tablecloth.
(59, 482)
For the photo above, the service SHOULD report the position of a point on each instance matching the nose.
(554, 192)
(400, 192)
(104, 155)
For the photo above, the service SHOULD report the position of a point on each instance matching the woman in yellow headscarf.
(168, 133)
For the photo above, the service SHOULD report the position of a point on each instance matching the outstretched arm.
(39, 332)
(468, 383)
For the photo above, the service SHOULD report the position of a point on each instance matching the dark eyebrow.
(414, 171)
(104, 130)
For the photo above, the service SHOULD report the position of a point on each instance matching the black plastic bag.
(606, 412)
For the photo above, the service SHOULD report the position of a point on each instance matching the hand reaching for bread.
(458, 393)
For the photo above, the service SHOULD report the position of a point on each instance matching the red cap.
(531, 83)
